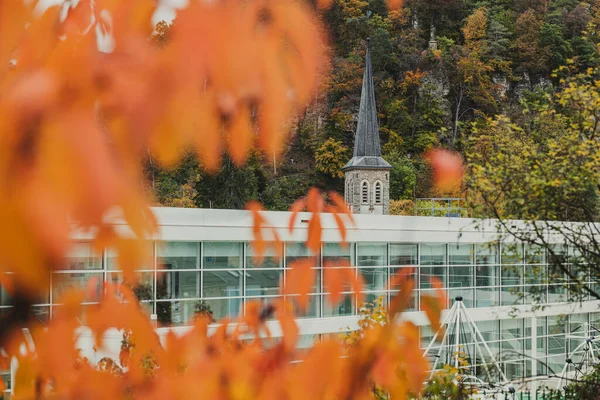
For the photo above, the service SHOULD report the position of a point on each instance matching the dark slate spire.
(367, 150)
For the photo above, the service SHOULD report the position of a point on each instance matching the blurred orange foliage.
(83, 95)
(448, 169)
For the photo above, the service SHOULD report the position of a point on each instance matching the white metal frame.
(589, 358)
(459, 316)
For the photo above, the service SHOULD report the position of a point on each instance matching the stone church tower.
(367, 173)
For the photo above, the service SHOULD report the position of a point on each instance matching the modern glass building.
(205, 257)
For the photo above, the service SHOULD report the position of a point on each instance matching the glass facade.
(224, 276)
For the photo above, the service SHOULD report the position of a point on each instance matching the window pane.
(411, 273)
(143, 290)
(345, 307)
(512, 275)
(222, 254)
(296, 251)
(490, 330)
(403, 254)
(429, 273)
(338, 255)
(178, 255)
(460, 254)
(263, 282)
(512, 253)
(433, 254)
(222, 283)
(112, 258)
(467, 295)
(460, 276)
(81, 256)
(372, 254)
(487, 253)
(375, 278)
(177, 285)
(488, 297)
(535, 274)
(488, 275)
(272, 257)
(512, 295)
(61, 283)
(224, 308)
(312, 311)
(535, 254)
(512, 329)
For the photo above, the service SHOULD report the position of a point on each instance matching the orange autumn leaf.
(434, 304)
(296, 207)
(447, 167)
(300, 279)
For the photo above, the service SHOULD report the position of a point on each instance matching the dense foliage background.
(492, 58)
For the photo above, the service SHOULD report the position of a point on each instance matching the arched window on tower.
(377, 192)
(350, 195)
(365, 193)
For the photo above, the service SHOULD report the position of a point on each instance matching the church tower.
(367, 174)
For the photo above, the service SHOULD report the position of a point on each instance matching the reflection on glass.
(535, 254)
(222, 283)
(403, 254)
(225, 308)
(468, 296)
(112, 258)
(428, 274)
(488, 297)
(512, 253)
(512, 275)
(344, 307)
(487, 275)
(222, 255)
(374, 278)
(177, 284)
(296, 252)
(535, 274)
(313, 310)
(271, 258)
(263, 282)
(433, 254)
(175, 313)
(178, 255)
(460, 254)
(490, 330)
(512, 295)
(143, 289)
(460, 276)
(335, 254)
(487, 253)
(82, 256)
(63, 282)
(371, 255)
(409, 272)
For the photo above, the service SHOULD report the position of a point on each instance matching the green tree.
(232, 187)
(331, 157)
(403, 177)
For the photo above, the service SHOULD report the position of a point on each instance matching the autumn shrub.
(402, 207)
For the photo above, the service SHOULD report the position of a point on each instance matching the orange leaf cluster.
(240, 360)
(448, 169)
(76, 121)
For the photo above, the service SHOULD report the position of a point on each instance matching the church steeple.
(367, 173)
(367, 149)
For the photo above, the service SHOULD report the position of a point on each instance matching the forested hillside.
(442, 70)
